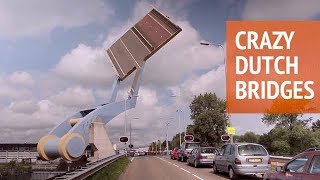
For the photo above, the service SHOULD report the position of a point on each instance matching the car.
(186, 148)
(242, 159)
(313, 149)
(175, 154)
(202, 156)
(305, 165)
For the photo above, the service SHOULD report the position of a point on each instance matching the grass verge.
(111, 172)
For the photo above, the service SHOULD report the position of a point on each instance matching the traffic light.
(123, 139)
(188, 138)
(130, 146)
(225, 137)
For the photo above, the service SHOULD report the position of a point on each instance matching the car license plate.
(254, 160)
(210, 157)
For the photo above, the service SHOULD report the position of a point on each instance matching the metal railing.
(88, 170)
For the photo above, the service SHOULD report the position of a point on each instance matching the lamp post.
(217, 45)
(225, 65)
(183, 118)
(179, 125)
(167, 144)
(130, 144)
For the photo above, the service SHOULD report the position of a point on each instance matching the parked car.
(175, 153)
(305, 165)
(186, 148)
(242, 159)
(202, 156)
(313, 149)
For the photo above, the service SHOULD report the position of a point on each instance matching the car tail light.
(269, 161)
(200, 157)
(237, 161)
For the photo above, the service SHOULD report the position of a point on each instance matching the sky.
(53, 62)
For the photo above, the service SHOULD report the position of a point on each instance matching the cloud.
(284, 9)
(85, 65)
(29, 126)
(21, 78)
(181, 57)
(34, 17)
(74, 97)
(27, 106)
(9, 92)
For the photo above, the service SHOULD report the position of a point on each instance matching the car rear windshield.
(208, 150)
(251, 150)
(192, 145)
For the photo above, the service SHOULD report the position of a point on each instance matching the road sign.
(231, 130)
(188, 138)
(130, 146)
(225, 137)
(123, 139)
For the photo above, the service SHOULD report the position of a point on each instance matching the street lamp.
(216, 45)
(179, 110)
(130, 144)
(167, 144)
(225, 65)
(167, 125)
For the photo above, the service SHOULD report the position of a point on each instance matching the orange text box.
(273, 67)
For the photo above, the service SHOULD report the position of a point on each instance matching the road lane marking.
(185, 170)
(132, 159)
(197, 176)
(181, 168)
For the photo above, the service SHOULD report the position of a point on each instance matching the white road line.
(197, 176)
(175, 165)
(132, 159)
(185, 170)
(169, 162)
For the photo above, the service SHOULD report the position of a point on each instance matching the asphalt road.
(163, 168)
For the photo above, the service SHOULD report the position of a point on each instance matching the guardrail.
(87, 170)
(279, 160)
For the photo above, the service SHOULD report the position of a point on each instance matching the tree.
(315, 125)
(249, 137)
(285, 120)
(209, 119)
(175, 142)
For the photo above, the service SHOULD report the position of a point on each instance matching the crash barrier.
(88, 170)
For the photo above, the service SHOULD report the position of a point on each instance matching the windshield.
(251, 150)
(209, 150)
(192, 145)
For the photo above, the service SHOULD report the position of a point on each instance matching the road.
(163, 168)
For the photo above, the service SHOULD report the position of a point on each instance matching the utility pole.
(184, 123)
(179, 124)
(159, 147)
(224, 59)
(167, 144)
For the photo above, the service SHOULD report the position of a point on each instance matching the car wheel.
(196, 164)
(188, 163)
(215, 169)
(232, 175)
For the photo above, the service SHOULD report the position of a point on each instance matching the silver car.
(242, 159)
(186, 148)
(202, 156)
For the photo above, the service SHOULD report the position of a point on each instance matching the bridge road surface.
(163, 168)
